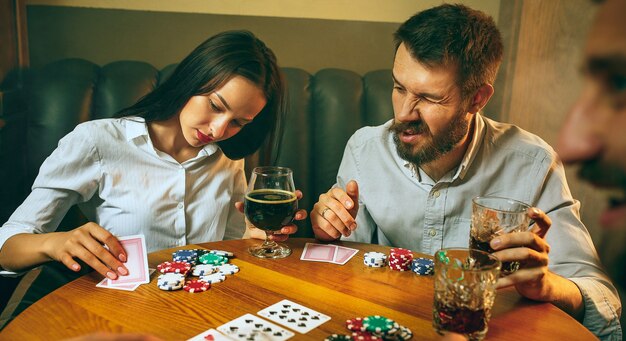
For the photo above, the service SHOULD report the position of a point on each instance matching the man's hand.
(533, 280)
(333, 215)
(278, 236)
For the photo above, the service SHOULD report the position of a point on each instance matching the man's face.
(429, 120)
(594, 133)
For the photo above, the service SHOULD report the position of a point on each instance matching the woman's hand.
(87, 243)
(278, 236)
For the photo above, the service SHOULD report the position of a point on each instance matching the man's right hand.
(87, 244)
(335, 212)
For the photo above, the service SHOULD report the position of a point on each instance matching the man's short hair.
(455, 35)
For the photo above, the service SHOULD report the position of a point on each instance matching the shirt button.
(180, 205)
(433, 232)
(436, 194)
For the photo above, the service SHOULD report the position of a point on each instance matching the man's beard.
(436, 146)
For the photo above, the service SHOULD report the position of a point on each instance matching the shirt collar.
(472, 150)
(136, 128)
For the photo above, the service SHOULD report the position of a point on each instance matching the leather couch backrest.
(324, 110)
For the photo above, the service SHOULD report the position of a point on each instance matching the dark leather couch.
(324, 110)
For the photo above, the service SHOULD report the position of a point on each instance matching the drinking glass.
(270, 203)
(465, 289)
(493, 216)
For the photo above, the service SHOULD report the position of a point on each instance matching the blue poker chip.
(423, 266)
(189, 256)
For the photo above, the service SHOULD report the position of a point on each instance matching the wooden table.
(341, 292)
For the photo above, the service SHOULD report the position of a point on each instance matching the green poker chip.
(380, 324)
(213, 259)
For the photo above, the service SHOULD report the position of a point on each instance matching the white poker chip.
(170, 279)
(228, 269)
(222, 253)
(203, 270)
(214, 278)
(172, 287)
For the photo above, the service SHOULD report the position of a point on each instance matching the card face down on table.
(327, 253)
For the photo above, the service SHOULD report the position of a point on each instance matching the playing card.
(104, 283)
(343, 255)
(137, 261)
(250, 327)
(210, 335)
(319, 252)
(294, 316)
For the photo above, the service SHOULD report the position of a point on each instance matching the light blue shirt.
(119, 180)
(405, 208)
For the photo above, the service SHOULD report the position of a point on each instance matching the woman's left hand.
(278, 236)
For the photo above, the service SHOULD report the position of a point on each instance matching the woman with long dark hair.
(168, 167)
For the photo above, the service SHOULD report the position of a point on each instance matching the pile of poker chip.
(399, 259)
(375, 259)
(422, 266)
(373, 328)
(211, 266)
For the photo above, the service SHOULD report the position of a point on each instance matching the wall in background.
(354, 35)
(353, 10)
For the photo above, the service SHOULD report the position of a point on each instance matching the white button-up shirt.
(119, 180)
(406, 208)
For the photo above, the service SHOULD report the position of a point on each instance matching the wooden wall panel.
(542, 81)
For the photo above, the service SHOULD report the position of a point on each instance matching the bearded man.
(410, 182)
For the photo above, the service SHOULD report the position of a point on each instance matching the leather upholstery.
(324, 110)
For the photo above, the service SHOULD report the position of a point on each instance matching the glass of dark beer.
(465, 289)
(270, 203)
(493, 216)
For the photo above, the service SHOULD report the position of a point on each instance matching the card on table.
(250, 327)
(210, 335)
(343, 255)
(294, 316)
(136, 261)
(104, 283)
(319, 252)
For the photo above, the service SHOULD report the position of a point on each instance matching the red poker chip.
(400, 251)
(355, 324)
(196, 285)
(175, 267)
(365, 336)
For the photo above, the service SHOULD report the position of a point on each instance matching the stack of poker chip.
(377, 327)
(400, 259)
(171, 281)
(189, 256)
(211, 266)
(423, 266)
(177, 267)
(374, 259)
(213, 259)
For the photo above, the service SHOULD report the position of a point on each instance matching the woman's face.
(222, 113)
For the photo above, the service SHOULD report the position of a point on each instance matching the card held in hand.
(136, 261)
(250, 327)
(294, 316)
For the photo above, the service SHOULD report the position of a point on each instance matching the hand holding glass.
(494, 216)
(270, 204)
